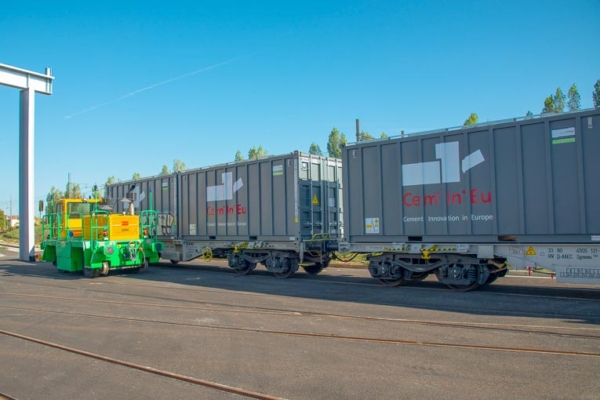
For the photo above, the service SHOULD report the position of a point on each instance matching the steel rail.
(515, 328)
(321, 335)
(184, 378)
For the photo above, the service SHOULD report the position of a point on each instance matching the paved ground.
(338, 335)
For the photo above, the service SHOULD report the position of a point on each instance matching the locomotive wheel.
(392, 282)
(144, 265)
(105, 268)
(314, 269)
(247, 269)
(90, 272)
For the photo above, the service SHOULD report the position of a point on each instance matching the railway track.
(240, 309)
(124, 287)
(322, 335)
(537, 314)
(581, 333)
(144, 368)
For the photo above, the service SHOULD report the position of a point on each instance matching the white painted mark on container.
(446, 170)
(224, 191)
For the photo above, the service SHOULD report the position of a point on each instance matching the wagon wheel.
(491, 279)
(249, 267)
(464, 288)
(284, 275)
(174, 261)
(419, 276)
(314, 269)
(493, 276)
(392, 282)
(291, 271)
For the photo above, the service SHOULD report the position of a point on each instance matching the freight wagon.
(465, 203)
(283, 212)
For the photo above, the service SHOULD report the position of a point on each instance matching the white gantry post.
(29, 83)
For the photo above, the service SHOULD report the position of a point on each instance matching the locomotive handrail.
(54, 226)
(151, 228)
(94, 227)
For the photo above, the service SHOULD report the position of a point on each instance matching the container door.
(332, 220)
(311, 213)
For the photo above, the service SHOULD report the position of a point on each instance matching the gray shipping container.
(530, 180)
(281, 200)
(158, 193)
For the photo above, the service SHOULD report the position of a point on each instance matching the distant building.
(13, 221)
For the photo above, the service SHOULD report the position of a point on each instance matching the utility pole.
(357, 130)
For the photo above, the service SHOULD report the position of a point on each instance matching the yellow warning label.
(531, 251)
(315, 200)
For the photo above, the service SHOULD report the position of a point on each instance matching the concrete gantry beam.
(29, 82)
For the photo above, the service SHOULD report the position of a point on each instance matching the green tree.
(383, 135)
(362, 136)
(239, 156)
(3, 221)
(254, 153)
(335, 143)
(315, 149)
(574, 103)
(596, 94)
(472, 120)
(136, 176)
(73, 191)
(109, 181)
(164, 170)
(529, 115)
(54, 195)
(548, 105)
(95, 191)
(178, 165)
(559, 101)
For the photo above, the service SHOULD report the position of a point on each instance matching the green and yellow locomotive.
(85, 235)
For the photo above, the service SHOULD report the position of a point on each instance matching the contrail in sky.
(151, 87)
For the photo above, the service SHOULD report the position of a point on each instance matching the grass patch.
(12, 236)
(358, 262)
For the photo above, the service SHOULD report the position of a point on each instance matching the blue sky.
(139, 84)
